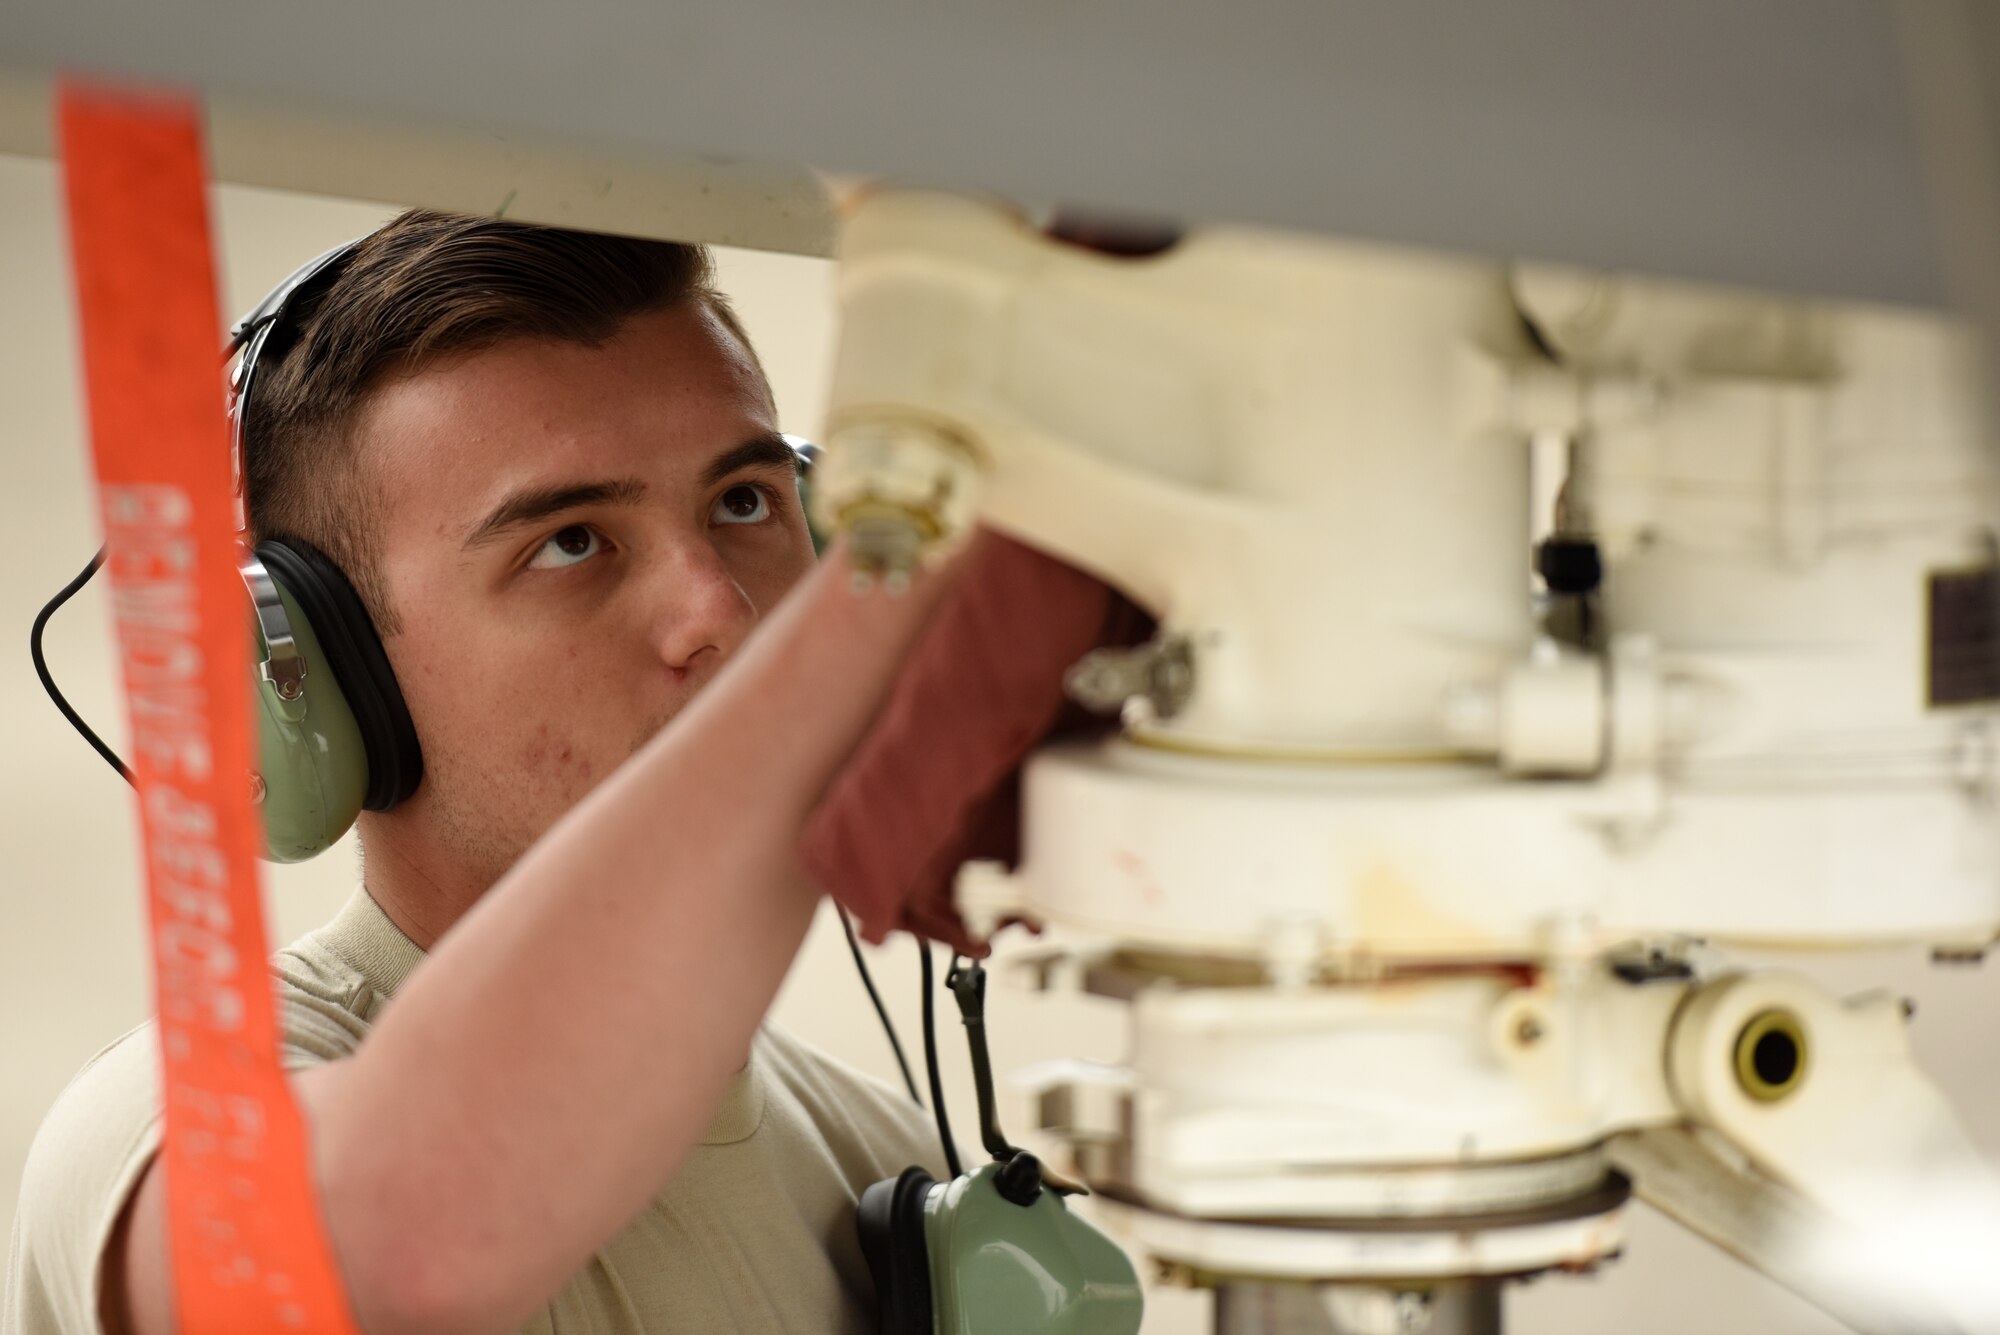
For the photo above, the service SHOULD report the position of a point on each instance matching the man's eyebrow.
(538, 503)
(769, 451)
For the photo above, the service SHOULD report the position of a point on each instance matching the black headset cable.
(67, 592)
(867, 981)
(931, 1062)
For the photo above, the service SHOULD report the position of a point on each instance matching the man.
(549, 463)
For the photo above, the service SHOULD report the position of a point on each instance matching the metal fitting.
(1161, 673)
(898, 488)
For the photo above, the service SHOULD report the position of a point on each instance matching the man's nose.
(699, 607)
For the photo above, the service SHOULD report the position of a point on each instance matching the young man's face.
(574, 539)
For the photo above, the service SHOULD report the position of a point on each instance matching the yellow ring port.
(1771, 1055)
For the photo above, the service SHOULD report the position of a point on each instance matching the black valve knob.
(1569, 565)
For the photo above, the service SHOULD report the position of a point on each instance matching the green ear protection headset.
(334, 735)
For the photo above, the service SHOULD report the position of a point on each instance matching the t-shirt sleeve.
(86, 1159)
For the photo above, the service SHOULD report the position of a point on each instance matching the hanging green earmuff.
(993, 1252)
(996, 1251)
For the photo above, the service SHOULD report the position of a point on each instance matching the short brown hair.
(425, 286)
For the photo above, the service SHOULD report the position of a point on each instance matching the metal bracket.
(1161, 672)
(282, 665)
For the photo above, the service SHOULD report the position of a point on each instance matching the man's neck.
(421, 893)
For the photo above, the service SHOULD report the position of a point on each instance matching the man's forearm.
(547, 1069)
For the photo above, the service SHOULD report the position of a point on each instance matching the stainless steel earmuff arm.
(281, 664)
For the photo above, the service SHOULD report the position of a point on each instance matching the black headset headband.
(251, 334)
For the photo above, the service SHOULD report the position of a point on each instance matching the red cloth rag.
(936, 781)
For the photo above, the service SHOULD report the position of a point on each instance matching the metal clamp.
(282, 665)
(1162, 672)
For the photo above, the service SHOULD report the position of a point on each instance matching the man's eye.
(567, 547)
(743, 504)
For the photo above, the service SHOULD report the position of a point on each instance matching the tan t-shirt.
(755, 1233)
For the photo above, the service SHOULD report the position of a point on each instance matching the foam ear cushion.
(357, 663)
(890, 1220)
